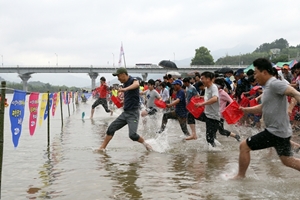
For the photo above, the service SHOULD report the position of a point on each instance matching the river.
(70, 169)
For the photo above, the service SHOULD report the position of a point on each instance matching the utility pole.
(56, 59)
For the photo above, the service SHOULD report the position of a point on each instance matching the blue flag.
(16, 113)
(50, 102)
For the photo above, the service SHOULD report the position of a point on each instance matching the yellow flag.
(58, 98)
(43, 108)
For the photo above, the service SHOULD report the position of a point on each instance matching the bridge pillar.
(25, 78)
(93, 76)
(144, 75)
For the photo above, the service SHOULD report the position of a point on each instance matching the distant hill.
(243, 49)
(36, 83)
(239, 49)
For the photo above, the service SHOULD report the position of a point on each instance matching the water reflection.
(49, 172)
(125, 174)
(188, 170)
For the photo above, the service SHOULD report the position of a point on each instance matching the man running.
(103, 91)
(278, 130)
(131, 113)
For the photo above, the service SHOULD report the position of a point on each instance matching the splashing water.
(160, 143)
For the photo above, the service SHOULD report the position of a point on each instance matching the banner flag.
(58, 99)
(50, 103)
(71, 97)
(55, 100)
(33, 109)
(16, 113)
(65, 97)
(43, 108)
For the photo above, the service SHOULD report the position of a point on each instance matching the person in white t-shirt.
(151, 94)
(164, 92)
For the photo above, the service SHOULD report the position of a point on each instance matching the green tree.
(40, 87)
(244, 59)
(278, 44)
(281, 58)
(202, 57)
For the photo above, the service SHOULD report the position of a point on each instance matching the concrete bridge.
(93, 71)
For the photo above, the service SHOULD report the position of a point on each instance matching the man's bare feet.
(111, 112)
(100, 150)
(148, 147)
(237, 177)
(192, 137)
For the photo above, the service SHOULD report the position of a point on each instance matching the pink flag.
(65, 97)
(33, 109)
(54, 103)
(121, 54)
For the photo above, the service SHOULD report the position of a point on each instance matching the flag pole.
(2, 109)
(122, 54)
(124, 59)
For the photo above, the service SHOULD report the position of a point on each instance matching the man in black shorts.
(278, 130)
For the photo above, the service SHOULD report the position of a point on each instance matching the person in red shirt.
(103, 91)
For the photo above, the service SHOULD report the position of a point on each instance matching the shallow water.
(70, 169)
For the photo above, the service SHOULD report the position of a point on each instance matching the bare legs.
(194, 135)
(105, 142)
(109, 137)
(291, 162)
(244, 160)
(92, 113)
(147, 146)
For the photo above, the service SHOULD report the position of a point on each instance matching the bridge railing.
(114, 67)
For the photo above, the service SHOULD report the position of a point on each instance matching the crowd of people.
(264, 94)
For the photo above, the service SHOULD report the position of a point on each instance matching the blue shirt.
(131, 97)
(228, 80)
(180, 108)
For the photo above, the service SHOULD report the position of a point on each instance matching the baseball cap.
(177, 82)
(239, 71)
(121, 70)
(285, 67)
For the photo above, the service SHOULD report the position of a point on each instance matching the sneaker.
(159, 131)
(213, 144)
(187, 135)
(237, 137)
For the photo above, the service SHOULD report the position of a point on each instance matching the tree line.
(37, 86)
(285, 54)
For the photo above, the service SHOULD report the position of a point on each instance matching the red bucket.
(244, 101)
(195, 111)
(254, 90)
(160, 103)
(117, 101)
(232, 114)
(253, 102)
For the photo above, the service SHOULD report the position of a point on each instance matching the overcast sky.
(77, 32)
